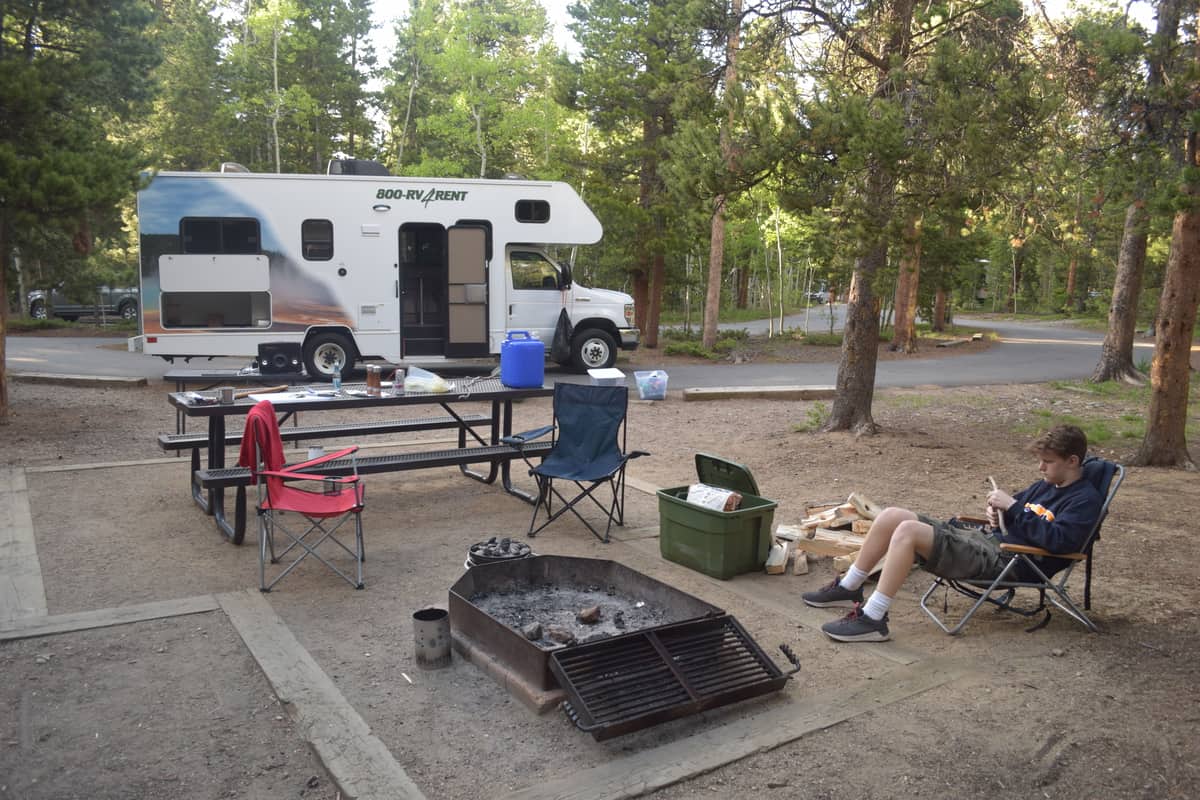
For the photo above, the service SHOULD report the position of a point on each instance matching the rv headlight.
(629, 313)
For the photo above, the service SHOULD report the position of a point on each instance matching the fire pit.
(625, 650)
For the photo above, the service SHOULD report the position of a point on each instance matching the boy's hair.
(1062, 440)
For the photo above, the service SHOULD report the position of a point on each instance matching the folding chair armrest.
(312, 462)
(1029, 550)
(973, 520)
(519, 439)
(287, 474)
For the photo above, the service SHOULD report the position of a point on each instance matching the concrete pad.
(653, 768)
(76, 380)
(22, 593)
(356, 759)
(761, 393)
(105, 617)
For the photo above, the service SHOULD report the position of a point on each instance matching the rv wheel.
(324, 353)
(593, 349)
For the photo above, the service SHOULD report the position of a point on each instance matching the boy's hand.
(993, 517)
(999, 499)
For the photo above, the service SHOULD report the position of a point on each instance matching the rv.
(341, 267)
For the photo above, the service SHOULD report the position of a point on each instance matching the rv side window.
(219, 235)
(533, 211)
(316, 235)
(532, 270)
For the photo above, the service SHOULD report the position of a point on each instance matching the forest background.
(909, 158)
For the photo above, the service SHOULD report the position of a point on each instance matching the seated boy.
(1056, 513)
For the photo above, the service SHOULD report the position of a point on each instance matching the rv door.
(535, 292)
(467, 336)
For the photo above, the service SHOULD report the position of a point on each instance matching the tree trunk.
(1072, 269)
(5, 252)
(860, 347)
(904, 338)
(860, 340)
(716, 253)
(939, 310)
(641, 294)
(647, 178)
(657, 280)
(1018, 264)
(1116, 355)
(716, 260)
(1165, 444)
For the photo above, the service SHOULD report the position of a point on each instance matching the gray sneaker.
(833, 595)
(857, 627)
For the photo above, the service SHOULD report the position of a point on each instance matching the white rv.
(342, 267)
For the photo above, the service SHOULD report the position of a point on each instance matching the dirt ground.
(177, 708)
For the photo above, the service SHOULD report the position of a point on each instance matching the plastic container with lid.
(522, 360)
(718, 543)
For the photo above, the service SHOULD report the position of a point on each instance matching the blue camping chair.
(589, 435)
(1035, 568)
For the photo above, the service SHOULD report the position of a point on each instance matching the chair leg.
(983, 598)
(569, 505)
(310, 549)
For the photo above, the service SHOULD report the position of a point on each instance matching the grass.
(814, 418)
(1100, 423)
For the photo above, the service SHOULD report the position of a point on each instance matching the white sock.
(853, 578)
(877, 605)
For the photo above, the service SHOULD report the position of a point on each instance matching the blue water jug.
(522, 360)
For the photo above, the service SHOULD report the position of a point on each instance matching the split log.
(861, 526)
(864, 506)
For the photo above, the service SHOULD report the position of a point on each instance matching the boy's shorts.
(962, 553)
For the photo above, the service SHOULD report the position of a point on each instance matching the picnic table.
(213, 377)
(208, 484)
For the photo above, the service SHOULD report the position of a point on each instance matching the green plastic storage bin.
(718, 543)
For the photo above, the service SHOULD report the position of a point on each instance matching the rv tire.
(323, 350)
(593, 348)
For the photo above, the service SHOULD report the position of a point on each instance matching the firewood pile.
(832, 529)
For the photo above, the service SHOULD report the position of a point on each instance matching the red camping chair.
(324, 511)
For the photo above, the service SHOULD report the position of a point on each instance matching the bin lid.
(717, 471)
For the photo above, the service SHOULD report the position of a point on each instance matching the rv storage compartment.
(522, 360)
(718, 543)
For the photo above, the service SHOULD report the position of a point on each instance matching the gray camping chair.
(1034, 568)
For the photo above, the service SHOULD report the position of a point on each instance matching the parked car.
(107, 301)
(820, 296)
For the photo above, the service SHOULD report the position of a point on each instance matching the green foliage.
(73, 74)
(824, 339)
(815, 417)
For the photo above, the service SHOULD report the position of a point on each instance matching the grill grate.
(626, 683)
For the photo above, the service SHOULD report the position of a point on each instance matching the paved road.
(1025, 353)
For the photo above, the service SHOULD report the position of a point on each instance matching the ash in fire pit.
(557, 614)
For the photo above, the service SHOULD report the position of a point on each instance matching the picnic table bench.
(238, 478)
(208, 485)
(198, 441)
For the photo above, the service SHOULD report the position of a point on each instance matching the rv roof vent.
(232, 166)
(356, 166)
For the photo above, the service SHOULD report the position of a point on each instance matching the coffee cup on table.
(225, 393)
